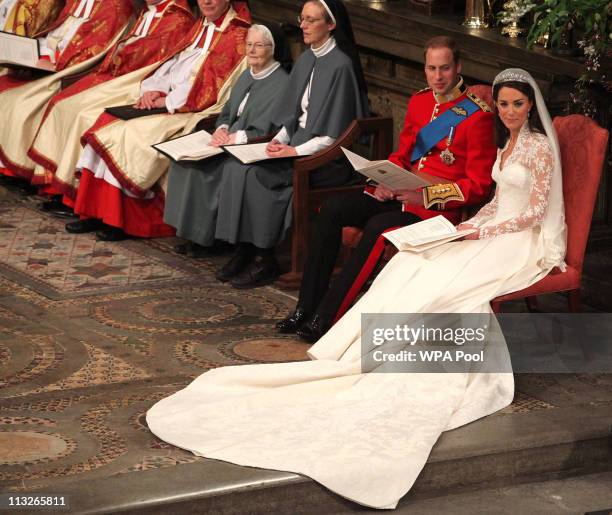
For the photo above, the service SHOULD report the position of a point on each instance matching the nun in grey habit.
(192, 198)
(326, 92)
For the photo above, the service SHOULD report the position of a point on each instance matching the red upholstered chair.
(483, 91)
(583, 147)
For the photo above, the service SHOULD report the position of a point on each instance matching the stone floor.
(93, 333)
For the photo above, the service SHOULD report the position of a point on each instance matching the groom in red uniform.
(448, 133)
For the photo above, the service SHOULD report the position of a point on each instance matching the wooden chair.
(307, 200)
(583, 147)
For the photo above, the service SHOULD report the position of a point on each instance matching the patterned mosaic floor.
(92, 334)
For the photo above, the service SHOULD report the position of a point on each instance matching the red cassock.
(472, 145)
(161, 41)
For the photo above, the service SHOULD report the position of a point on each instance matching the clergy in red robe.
(120, 172)
(82, 34)
(72, 111)
(28, 17)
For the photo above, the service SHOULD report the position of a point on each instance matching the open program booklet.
(22, 52)
(425, 235)
(193, 147)
(250, 153)
(391, 176)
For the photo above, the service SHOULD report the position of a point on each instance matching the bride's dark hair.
(535, 125)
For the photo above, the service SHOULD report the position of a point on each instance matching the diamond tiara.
(512, 74)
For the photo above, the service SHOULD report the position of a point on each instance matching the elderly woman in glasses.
(192, 198)
(326, 92)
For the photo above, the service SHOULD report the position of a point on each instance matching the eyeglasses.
(308, 21)
(257, 46)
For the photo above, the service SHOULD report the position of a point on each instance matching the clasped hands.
(222, 137)
(277, 149)
(274, 149)
(151, 100)
(383, 194)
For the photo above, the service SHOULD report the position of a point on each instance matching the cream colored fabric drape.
(59, 136)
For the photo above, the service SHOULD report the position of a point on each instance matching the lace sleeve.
(539, 160)
(485, 213)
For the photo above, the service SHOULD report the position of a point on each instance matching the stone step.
(590, 494)
(501, 450)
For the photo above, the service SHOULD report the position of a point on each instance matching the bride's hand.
(464, 227)
(473, 236)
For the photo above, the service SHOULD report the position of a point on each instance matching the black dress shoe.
(259, 272)
(82, 226)
(217, 248)
(293, 322)
(57, 208)
(240, 260)
(108, 233)
(196, 250)
(183, 248)
(51, 202)
(312, 330)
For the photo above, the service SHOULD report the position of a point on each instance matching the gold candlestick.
(512, 30)
(477, 13)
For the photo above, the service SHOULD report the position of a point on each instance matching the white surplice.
(367, 436)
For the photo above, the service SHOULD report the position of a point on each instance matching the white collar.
(84, 9)
(266, 72)
(325, 48)
(147, 20)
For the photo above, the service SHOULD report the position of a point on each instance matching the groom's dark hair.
(535, 124)
(442, 42)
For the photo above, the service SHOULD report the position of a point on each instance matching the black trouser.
(355, 210)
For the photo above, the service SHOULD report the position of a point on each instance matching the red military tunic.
(472, 145)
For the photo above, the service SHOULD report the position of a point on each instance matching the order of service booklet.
(193, 147)
(251, 152)
(22, 52)
(425, 235)
(391, 176)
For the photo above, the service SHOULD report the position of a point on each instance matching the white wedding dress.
(367, 436)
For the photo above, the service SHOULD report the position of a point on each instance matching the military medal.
(448, 158)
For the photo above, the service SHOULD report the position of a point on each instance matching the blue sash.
(434, 131)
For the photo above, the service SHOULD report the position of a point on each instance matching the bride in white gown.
(366, 436)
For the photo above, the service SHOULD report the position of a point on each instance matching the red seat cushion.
(554, 281)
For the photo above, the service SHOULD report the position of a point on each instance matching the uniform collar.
(453, 94)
